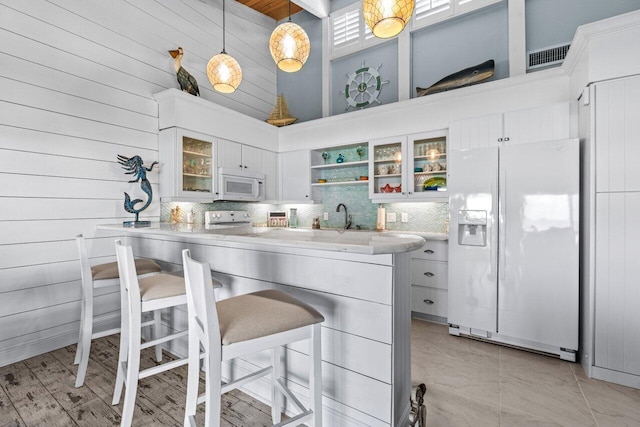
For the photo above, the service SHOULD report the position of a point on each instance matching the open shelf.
(341, 165)
(353, 182)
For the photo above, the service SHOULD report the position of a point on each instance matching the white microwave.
(240, 185)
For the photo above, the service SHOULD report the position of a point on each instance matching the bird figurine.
(187, 82)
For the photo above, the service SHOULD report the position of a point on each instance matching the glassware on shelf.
(325, 157)
(359, 152)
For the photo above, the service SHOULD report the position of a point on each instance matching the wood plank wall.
(76, 85)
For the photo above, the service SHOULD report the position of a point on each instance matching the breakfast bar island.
(358, 280)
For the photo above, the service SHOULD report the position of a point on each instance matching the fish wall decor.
(466, 77)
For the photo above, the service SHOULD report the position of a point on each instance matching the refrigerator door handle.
(491, 231)
(502, 230)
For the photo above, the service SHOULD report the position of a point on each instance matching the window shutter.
(346, 28)
(429, 8)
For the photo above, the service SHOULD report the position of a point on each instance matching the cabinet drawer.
(434, 250)
(429, 301)
(429, 273)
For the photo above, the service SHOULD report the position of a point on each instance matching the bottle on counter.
(293, 218)
(381, 220)
(190, 216)
(316, 223)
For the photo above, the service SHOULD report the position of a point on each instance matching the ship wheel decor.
(363, 87)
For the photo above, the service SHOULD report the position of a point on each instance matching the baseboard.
(616, 377)
(429, 317)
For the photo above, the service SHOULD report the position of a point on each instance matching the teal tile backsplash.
(427, 216)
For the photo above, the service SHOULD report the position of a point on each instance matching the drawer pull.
(429, 274)
(428, 251)
(428, 302)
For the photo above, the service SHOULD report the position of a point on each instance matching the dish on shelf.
(364, 178)
(322, 181)
(397, 189)
(434, 183)
(386, 189)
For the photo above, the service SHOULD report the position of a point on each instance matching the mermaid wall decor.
(134, 166)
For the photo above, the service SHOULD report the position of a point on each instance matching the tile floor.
(471, 383)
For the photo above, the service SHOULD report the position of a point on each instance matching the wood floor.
(40, 392)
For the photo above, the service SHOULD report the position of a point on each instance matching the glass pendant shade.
(387, 18)
(289, 46)
(224, 73)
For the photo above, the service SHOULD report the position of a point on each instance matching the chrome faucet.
(347, 217)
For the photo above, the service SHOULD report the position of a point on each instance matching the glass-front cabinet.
(408, 167)
(187, 165)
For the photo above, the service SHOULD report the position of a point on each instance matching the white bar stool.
(242, 325)
(140, 296)
(102, 276)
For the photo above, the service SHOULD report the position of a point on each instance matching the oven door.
(241, 186)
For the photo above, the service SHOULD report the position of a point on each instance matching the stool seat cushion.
(262, 313)
(110, 270)
(161, 286)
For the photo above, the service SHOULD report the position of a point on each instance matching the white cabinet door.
(252, 158)
(295, 176)
(269, 167)
(187, 165)
(476, 132)
(229, 154)
(617, 134)
(617, 294)
(546, 123)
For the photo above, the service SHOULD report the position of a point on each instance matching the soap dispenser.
(293, 218)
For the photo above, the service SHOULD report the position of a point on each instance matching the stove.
(223, 219)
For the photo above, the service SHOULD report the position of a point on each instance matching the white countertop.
(360, 242)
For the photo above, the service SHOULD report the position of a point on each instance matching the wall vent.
(548, 56)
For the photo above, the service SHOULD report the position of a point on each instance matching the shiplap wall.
(76, 85)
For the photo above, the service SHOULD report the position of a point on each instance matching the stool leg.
(193, 376)
(276, 374)
(157, 317)
(315, 375)
(133, 370)
(84, 345)
(124, 348)
(80, 330)
(213, 399)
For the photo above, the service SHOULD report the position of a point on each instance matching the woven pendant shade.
(387, 18)
(224, 73)
(289, 46)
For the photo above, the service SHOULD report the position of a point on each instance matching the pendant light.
(223, 70)
(387, 18)
(289, 46)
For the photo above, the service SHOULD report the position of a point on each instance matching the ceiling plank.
(276, 9)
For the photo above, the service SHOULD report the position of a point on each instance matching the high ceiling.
(276, 9)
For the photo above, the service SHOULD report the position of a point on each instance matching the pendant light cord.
(223, 29)
(289, 10)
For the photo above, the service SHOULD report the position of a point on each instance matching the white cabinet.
(233, 155)
(429, 281)
(545, 123)
(617, 134)
(187, 165)
(295, 176)
(407, 168)
(612, 250)
(617, 291)
(269, 168)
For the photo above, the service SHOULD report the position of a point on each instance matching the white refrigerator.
(513, 245)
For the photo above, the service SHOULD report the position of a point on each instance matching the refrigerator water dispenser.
(472, 228)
